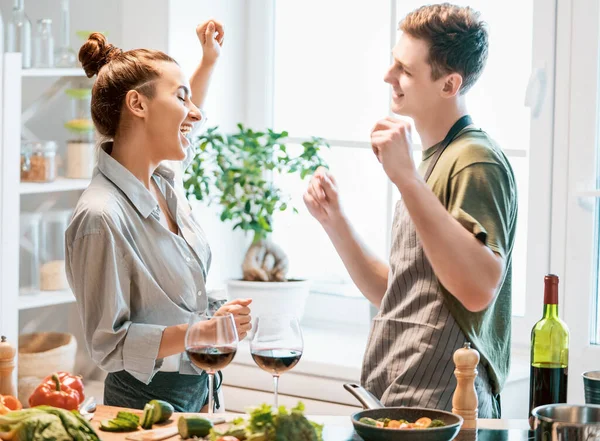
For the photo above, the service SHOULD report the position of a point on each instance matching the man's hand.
(322, 198)
(392, 144)
(211, 36)
(241, 314)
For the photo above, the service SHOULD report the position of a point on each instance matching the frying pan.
(376, 410)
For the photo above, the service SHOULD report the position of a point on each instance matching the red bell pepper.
(56, 392)
(69, 380)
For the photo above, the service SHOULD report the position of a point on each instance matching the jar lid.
(80, 125)
(38, 147)
(79, 93)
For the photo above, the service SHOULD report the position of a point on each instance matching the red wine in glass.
(211, 358)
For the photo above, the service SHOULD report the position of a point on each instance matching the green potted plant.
(236, 172)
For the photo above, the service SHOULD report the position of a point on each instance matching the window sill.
(328, 352)
(336, 351)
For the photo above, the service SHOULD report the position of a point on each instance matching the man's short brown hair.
(457, 39)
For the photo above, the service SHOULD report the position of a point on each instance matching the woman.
(136, 259)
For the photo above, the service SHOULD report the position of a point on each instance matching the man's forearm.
(465, 267)
(200, 81)
(369, 273)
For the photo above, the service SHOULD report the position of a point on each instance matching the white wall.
(225, 106)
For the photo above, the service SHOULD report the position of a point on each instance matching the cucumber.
(148, 417)
(162, 411)
(118, 425)
(189, 426)
(129, 417)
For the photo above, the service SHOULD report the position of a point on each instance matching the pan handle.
(366, 398)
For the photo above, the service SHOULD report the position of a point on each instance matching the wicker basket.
(40, 355)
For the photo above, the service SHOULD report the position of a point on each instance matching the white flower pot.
(271, 297)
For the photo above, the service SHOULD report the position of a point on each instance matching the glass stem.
(275, 386)
(211, 398)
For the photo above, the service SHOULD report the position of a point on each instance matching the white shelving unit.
(44, 298)
(13, 193)
(60, 184)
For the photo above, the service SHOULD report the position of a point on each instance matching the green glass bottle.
(549, 352)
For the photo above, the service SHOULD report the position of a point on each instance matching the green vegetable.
(129, 416)
(189, 426)
(124, 422)
(162, 411)
(437, 423)
(44, 423)
(118, 425)
(266, 425)
(369, 421)
(148, 417)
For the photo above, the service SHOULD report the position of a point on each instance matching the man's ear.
(136, 103)
(452, 85)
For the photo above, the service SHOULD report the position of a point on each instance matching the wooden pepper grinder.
(7, 366)
(464, 401)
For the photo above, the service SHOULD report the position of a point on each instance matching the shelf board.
(60, 184)
(45, 298)
(53, 72)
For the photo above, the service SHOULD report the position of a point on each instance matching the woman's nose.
(195, 113)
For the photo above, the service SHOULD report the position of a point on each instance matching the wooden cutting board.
(109, 412)
(337, 428)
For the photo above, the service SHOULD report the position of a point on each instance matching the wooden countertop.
(337, 428)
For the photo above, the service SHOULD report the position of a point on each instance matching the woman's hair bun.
(95, 53)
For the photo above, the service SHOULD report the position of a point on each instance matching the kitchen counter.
(337, 428)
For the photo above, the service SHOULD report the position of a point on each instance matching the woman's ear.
(136, 103)
(452, 85)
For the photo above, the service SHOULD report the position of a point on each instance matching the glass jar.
(81, 143)
(29, 253)
(80, 110)
(38, 161)
(53, 225)
(43, 54)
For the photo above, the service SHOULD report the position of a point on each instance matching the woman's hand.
(241, 314)
(211, 35)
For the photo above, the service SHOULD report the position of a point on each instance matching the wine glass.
(277, 345)
(211, 343)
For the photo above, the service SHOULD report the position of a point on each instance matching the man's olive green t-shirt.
(473, 179)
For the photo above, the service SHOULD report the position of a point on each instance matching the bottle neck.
(551, 311)
(19, 4)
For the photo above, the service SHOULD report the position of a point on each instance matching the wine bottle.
(549, 352)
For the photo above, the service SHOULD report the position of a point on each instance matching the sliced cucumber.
(129, 417)
(118, 425)
(148, 417)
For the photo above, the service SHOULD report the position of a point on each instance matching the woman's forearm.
(173, 341)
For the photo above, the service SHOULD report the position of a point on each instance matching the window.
(579, 206)
(329, 83)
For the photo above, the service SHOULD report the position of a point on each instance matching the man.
(449, 275)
